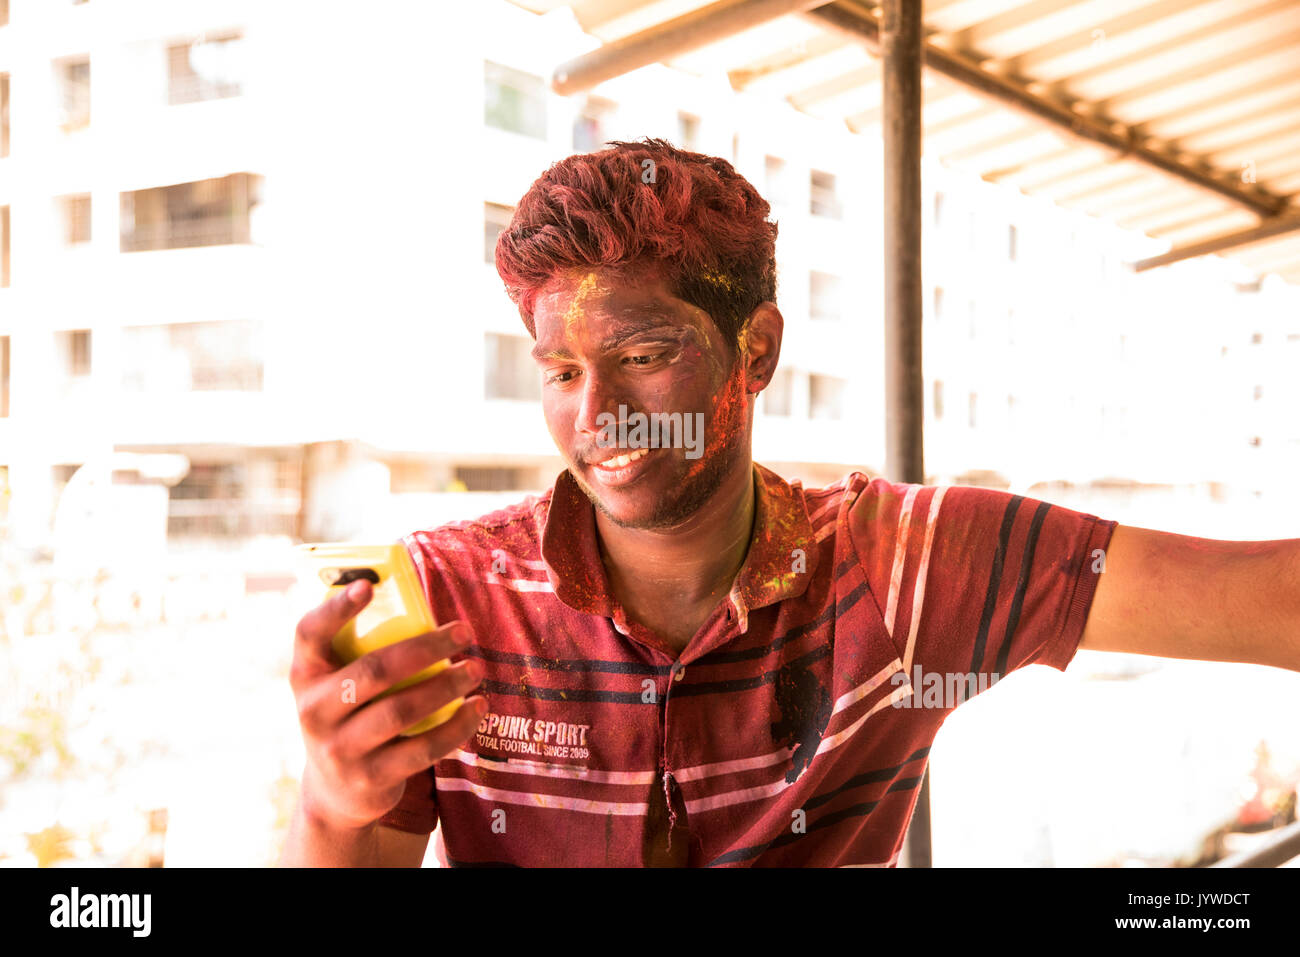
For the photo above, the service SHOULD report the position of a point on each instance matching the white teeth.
(621, 460)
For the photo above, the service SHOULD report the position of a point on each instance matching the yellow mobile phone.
(396, 611)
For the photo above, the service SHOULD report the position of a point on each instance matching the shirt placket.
(675, 752)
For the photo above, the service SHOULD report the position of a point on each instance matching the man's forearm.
(313, 844)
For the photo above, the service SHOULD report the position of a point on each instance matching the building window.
(591, 126)
(1259, 392)
(824, 296)
(209, 68)
(825, 397)
(4, 377)
(1011, 243)
(778, 397)
(510, 370)
(80, 352)
(735, 148)
(688, 131)
(220, 500)
(193, 357)
(1257, 338)
(823, 200)
(237, 499)
(493, 479)
(972, 410)
(938, 303)
(970, 319)
(777, 181)
(938, 208)
(76, 219)
(514, 101)
(74, 348)
(210, 212)
(495, 220)
(73, 81)
(4, 115)
(4, 246)
(938, 398)
(4, 12)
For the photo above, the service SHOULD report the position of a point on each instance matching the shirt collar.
(780, 562)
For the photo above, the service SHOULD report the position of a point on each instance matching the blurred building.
(261, 235)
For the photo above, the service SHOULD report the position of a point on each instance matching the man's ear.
(761, 346)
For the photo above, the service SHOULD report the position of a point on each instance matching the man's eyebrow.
(625, 332)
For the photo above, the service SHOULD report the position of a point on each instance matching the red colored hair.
(646, 205)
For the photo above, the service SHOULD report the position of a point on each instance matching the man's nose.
(599, 408)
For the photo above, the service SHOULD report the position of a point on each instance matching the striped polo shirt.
(793, 729)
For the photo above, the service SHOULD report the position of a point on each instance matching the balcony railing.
(195, 89)
(185, 234)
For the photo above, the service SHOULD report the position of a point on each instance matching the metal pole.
(900, 41)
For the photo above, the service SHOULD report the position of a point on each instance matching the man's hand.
(1182, 597)
(357, 762)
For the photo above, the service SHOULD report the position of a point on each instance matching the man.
(686, 660)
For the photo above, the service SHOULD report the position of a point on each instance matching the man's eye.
(560, 378)
(644, 360)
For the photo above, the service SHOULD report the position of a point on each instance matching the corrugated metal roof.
(1210, 87)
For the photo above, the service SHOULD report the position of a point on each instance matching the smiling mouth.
(621, 469)
(621, 461)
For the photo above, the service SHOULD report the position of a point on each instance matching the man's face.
(603, 343)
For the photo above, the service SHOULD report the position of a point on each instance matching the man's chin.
(665, 511)
(616, 508)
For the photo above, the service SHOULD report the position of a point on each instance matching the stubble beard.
(692, 493)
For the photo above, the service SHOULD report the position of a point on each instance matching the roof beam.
(1242, 237)
(853, 20)
(666, 40)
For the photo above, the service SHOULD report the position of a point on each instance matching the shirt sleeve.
(977, 581)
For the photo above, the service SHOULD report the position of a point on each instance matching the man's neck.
(695, 562)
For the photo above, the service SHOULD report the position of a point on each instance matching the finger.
(312, 652)
(381, 721)
(347, 689)
(406, 756)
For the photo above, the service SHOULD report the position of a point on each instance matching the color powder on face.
(725, 423)
(575, 314)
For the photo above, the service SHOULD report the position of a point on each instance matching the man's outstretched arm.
(1183, 597)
